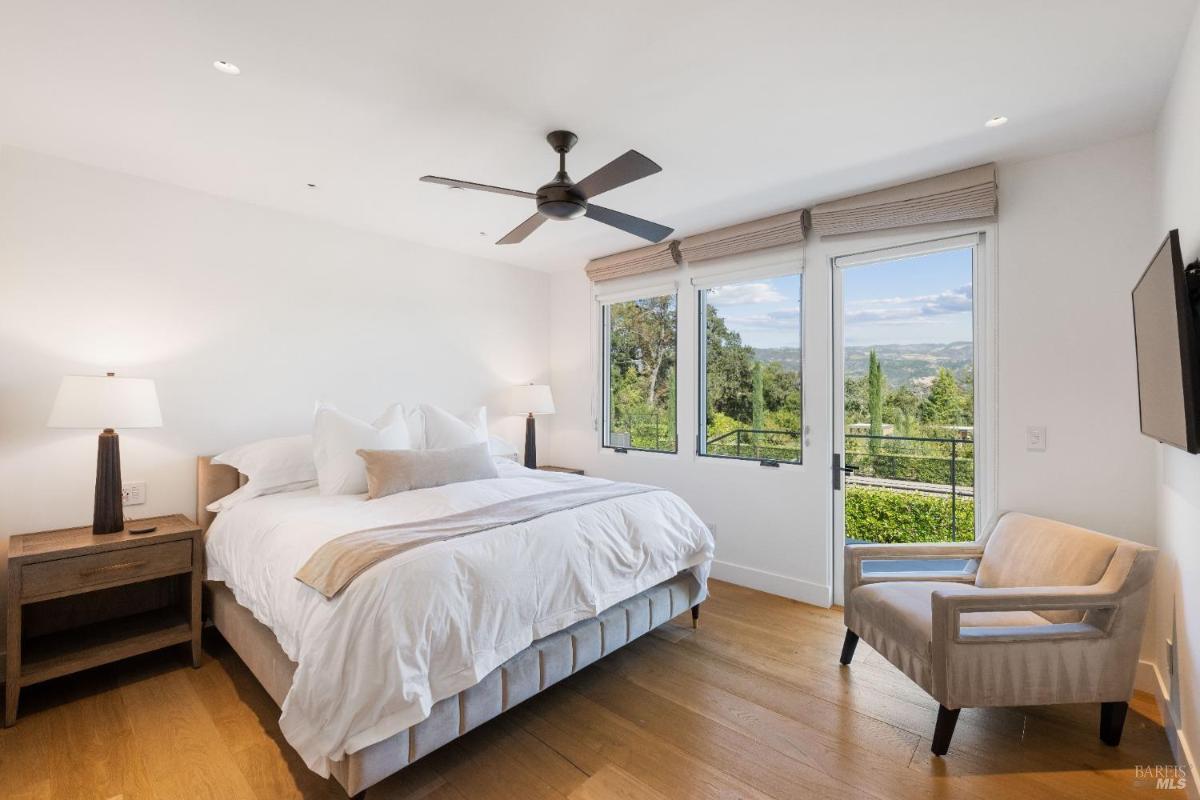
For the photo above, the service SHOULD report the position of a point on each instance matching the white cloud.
(745, 294)
(788, 319)
(911, 309)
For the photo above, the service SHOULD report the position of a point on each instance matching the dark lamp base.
(106, 515)
(530, 443)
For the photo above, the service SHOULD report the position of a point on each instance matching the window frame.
(605, 302)
(701, 284)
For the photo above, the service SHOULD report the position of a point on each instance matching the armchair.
(1053, 614)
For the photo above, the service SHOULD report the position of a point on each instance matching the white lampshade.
(105, 402)
(532, 398)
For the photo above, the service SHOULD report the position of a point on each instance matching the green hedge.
(879, 515)
(919, 467)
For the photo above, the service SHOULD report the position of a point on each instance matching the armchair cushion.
(905, 610)
(1025, 550)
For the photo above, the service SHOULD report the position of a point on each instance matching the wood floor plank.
(183, 751)
(752, 705)
(614, 783)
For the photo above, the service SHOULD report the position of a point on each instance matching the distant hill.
(903, 364)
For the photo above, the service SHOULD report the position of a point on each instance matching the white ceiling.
(751, 107)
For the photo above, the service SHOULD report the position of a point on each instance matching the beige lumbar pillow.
(392, 471)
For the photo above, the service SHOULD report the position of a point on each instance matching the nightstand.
(570, 470)
(78, 600)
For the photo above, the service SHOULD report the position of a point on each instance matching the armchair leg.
(848, 646)
(1112, 722)
(695, 616)
(947, 718)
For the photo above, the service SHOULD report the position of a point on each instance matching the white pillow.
(338, 437)
(416, 428)
(249, 492)
(502, 448)
(270, 465)
(444, 430)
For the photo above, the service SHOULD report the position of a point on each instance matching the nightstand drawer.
(46, 579)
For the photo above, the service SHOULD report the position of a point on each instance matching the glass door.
(905, 405)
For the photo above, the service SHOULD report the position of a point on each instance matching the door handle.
(840, 469)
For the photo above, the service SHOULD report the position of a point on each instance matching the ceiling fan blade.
(527, 227)
(644, 228)
(482, 187)
(621, 170)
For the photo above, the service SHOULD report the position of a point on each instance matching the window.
(639, 374)
(751, 348)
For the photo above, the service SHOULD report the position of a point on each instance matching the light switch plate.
(133, 493)
(1035, 438)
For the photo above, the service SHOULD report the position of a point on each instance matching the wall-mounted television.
(1166, 329)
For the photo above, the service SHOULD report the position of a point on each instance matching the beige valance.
(781, 229)
(966, 194)
(664, 255)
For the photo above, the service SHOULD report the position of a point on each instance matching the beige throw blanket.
(338, 562)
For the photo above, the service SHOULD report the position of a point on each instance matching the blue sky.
(907, 301)
(765, 312)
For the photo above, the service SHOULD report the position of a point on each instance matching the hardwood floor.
(751, 705)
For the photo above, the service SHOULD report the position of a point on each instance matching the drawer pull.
(112, 568)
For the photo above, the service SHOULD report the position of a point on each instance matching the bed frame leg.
(848, 646)
(695, 616)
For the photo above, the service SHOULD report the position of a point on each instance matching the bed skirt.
(537, 667)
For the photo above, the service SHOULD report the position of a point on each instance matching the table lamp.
(106, 402)
(531, 399)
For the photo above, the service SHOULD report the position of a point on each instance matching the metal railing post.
(954, 490)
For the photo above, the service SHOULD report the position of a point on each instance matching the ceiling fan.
(563, 199)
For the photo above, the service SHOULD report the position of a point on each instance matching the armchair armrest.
(856, 554)
(948, 609)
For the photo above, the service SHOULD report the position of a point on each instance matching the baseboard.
(1148, 671)
(773, 583)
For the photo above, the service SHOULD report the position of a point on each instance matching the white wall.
(1177, 602)
(1076, 231)
(1073, 234)
(244, 316)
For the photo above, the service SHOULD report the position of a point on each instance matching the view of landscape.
(753, 404)
(909, 399)
(909, 387)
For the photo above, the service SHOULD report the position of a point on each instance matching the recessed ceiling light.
(227, 68)
(995, 122)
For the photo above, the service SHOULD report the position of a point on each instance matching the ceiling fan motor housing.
(561, 200)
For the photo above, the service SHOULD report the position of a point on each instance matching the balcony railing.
(643, 432)
(753, 443)
(935, 467)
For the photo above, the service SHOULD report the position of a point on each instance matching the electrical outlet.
(133, 493)
(1035, 438)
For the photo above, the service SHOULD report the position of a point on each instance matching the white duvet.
(431, 622)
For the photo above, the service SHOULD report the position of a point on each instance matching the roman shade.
(664, 255)
(966, 194)
(781, 229)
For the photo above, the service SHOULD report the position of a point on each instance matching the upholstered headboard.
(213, 481)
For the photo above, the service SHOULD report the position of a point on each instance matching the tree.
(730, 366)
(642, 337)
(756, 397)
(856, 400)
(875, 401)
(945, 402)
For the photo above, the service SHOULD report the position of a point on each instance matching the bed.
(369, 681)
